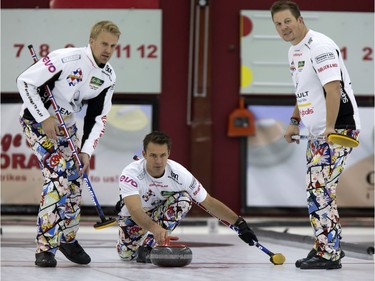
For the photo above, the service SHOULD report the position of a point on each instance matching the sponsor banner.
(21, 179)
(276, 170)
(137, 57)
(264, 55)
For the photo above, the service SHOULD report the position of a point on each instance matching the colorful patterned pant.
(168, 215)
(59, 210)
(325, 164)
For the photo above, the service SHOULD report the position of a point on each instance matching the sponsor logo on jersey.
(64, 111)
(128, 180)
(307, 111)
(158, 184)
(304, 104)
(49, 64)
(327, 66)
(95, 82)
(193, 184)
(75, 77)
(108, 69)
(108, 75)
(142, 175)
(96, 141)
(148, 194)
(344, 97)
(197, 190)
(174, 177)
(301, 64)
(324, 57)
(75, 103)
(71, 58)
(292, 68)
(303, 94)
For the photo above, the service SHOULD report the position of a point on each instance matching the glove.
(245, 233)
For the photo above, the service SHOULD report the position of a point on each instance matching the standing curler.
(326, 105)
(74, 76)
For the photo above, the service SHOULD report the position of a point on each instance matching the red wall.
(224, 76)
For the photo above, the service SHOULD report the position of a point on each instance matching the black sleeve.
(94, 109)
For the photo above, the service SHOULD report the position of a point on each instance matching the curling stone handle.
(169, 239)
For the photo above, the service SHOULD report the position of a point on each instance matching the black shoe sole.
(42, 264)
(300, 261)
(48, 261)
(318, 262)
(330, 267)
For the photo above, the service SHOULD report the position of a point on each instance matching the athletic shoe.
(45, 259)
(317, 262)
(75, 253)
(311, 254)
(144, 254)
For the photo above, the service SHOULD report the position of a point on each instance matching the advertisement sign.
(264, 56)
(21, 179)
(276, 169)
(136, 60)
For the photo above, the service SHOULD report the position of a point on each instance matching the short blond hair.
(104, 25)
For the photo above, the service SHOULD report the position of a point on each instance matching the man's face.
(289, 28)
(103, 46)
(156, 157)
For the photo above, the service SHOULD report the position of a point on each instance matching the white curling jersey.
(73, 77)
(134, 180)
(314, 62)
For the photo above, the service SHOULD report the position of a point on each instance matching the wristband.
(294, 121)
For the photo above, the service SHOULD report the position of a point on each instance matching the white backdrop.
(264, 56)
(137, 58)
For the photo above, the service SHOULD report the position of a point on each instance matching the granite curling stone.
(171, 254)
